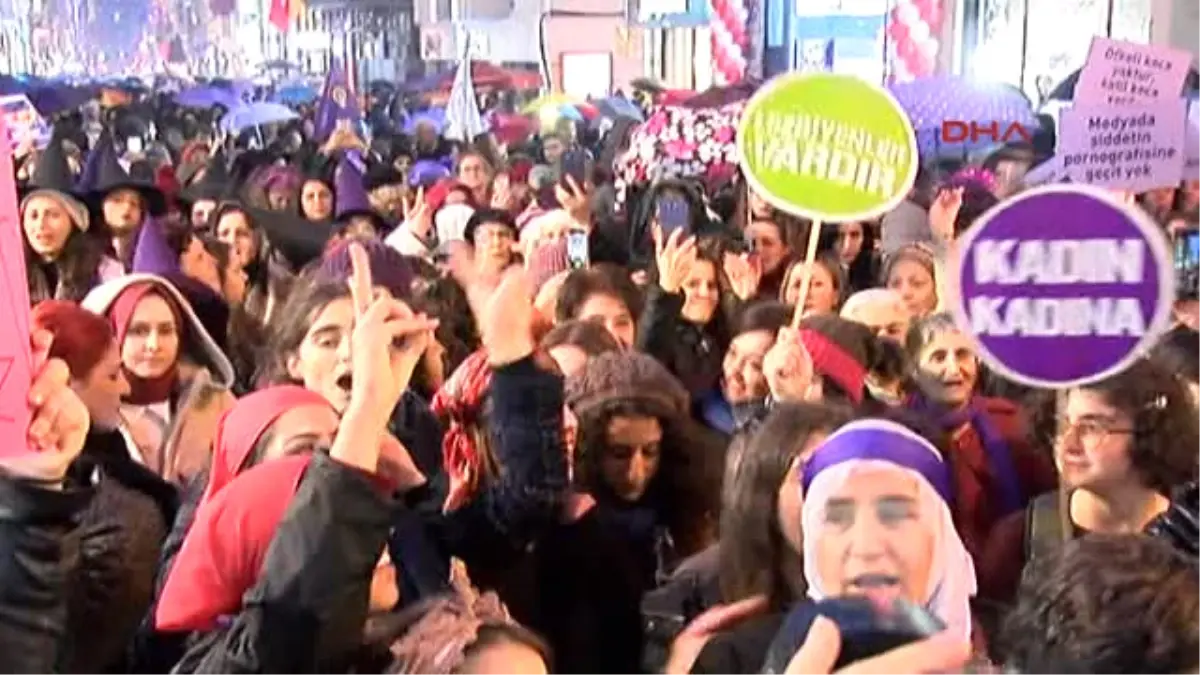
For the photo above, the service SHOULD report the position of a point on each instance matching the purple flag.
(338, 105)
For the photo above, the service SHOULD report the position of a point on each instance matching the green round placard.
(827, 147)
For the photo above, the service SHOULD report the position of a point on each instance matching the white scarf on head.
(952, 579)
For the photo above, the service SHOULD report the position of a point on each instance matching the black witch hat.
(104, 174)
(52, 176)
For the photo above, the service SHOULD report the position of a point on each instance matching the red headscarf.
(223, 552)
(460, 402)
(144, 391)
(243, 425)
(436, 195)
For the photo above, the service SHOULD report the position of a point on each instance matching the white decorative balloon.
(907, 14)
(918, 32)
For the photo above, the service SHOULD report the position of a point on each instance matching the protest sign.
(1129, 147)
(15, 354)
(1191, 143)
(22, 121)
(827, 147)
(1117, 73)
(1063, 285)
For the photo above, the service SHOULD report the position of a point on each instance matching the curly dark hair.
(1166, 432)
(685, 488)
(1106, 604)
(600, 279)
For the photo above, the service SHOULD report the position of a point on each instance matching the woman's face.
(874, 540)
(700, 293)
(47, 226)
(790, 500)
(849, 241)
(1093, 443)
(234, 229)
(151, 344)
(822, 293)
(473, 172)
(887, 318)
(316, 200)
(553, 149)
(301, 429)
(613, 313)
(948, 369)
(278, 199)
(322, 362)
(102, 389)
(493, 246)
(201, 210)
(914, 283)
(632, 451)
(768, 244)
(123, 211)
(742, 368)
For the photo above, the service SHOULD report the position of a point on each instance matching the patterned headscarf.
(438, 642)
(460, 403)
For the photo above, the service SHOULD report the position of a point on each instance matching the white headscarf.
(952, 579)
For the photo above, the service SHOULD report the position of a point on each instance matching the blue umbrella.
(932, 101)
(207, 97)
(296, 94)
(51, 99)
(256, 114)
(619, 106)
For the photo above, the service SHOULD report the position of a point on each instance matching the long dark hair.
(754, 552)
(77, 267)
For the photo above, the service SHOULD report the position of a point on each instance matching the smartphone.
(134, 145)
(577, 249)
(672, 212)
(574, 164)
(1187, 264)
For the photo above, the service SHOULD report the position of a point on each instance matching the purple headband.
(885, 441)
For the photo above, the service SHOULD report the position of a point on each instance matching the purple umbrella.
(207, 97)
(932, 101)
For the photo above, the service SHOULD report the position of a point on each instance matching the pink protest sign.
(1118, 73)
(1124, 147)
(15, 357)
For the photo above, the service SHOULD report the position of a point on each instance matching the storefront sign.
(827, 147)
(1127, 147)
(1124, 72)
(1063, 285)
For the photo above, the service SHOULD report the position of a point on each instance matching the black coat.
(35, 564)
(307, 611)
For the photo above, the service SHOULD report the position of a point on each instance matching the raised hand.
(944, 212)
(690, 642)
(788, 367)
(503, 309)
(674, 257)
(59, 423)
(417, 214)
(744, 272)
(501, 192)
(574, 199)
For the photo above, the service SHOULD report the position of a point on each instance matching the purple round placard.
(1050, 286)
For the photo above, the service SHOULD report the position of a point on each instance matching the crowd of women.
(335, 408)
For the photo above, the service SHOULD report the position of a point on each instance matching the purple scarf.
(1010, 496)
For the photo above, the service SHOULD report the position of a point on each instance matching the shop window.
(1035, 44)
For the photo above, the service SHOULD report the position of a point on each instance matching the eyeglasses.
(1090, 431)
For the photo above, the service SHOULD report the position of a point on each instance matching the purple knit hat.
(389, 268)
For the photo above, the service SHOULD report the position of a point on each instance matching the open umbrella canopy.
(554, 101)
(296, 94)
(256, 114)
(207, 97)
(929, 102)
(55, 98)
